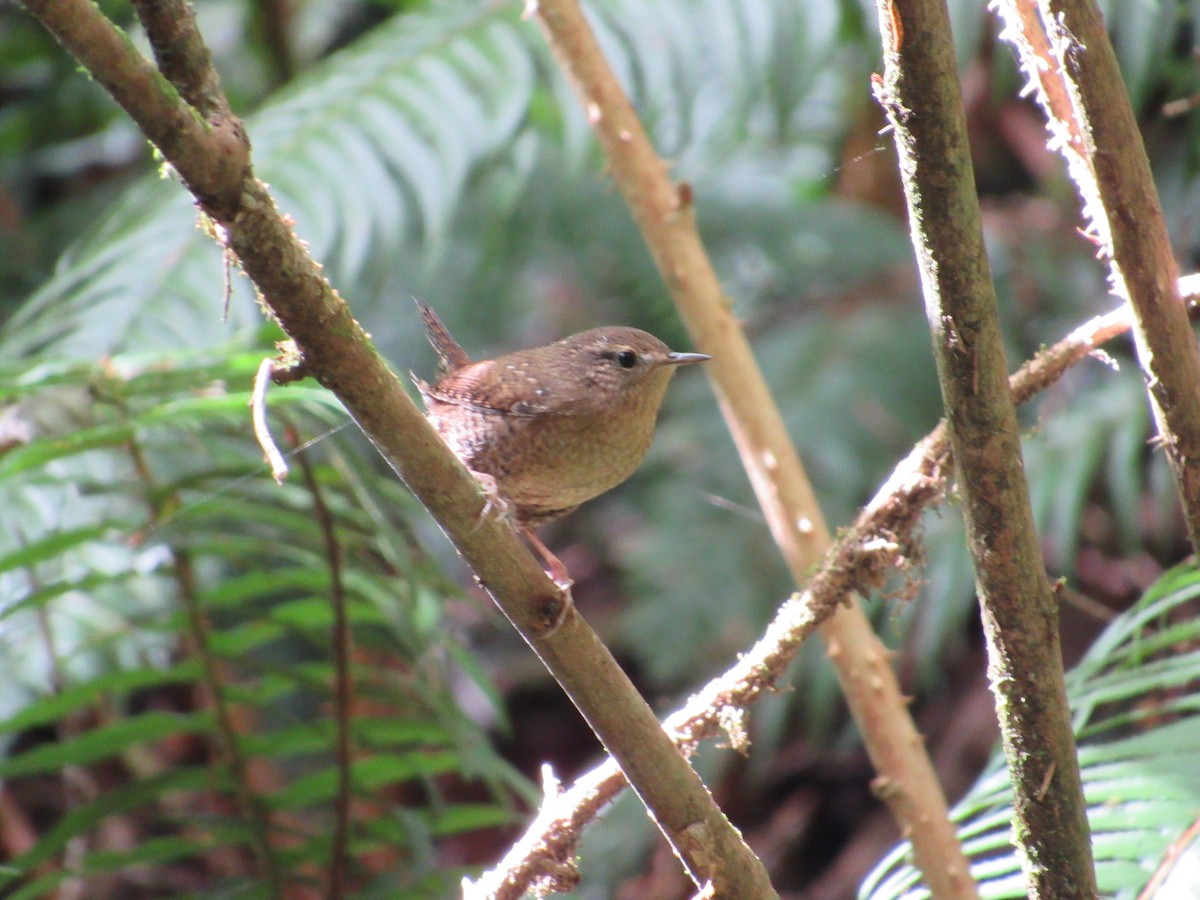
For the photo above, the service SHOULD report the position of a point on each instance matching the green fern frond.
(121, 526)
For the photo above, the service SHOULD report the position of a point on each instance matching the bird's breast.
(547, 463)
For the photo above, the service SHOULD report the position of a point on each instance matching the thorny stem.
(1065, 53)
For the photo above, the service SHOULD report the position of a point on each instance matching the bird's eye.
(627, 359)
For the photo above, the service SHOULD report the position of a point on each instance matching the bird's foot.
(554, 566)
(494, 502)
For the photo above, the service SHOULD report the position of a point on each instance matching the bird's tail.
(451, 355)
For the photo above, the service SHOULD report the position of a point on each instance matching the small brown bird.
(549, 428)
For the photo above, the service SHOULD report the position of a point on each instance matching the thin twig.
(1178, 857)
(258, 416)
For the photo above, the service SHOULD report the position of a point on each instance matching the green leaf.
(50, 547)
(52, 707)
(105, 742)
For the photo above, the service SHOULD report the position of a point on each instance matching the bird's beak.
(685, 359)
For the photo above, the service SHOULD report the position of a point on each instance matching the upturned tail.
(451, 355)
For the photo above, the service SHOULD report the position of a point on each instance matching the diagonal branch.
(212, 158)
(182, 55)
(920, 93)
(1066, 55)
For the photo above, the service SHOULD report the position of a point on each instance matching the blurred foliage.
(439, 154)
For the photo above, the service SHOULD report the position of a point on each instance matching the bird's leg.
(556, 570)
(496, 503)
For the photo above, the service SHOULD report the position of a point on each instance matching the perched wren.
(547, 429)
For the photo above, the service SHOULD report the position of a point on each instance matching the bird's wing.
(477, 387)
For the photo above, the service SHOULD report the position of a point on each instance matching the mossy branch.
(920, 94)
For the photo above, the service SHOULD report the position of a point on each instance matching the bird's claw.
(494, 502)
